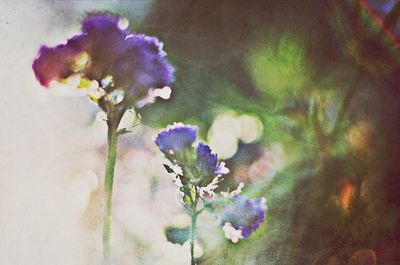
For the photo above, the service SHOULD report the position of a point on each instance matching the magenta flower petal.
(54, 63)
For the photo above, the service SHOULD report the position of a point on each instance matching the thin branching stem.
(351, 91)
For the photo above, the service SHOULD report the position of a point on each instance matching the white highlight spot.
(116, 96)
(94, 91)
(107, 81)
(251, 128)
(123, 23)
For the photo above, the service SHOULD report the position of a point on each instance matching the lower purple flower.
(242, 217)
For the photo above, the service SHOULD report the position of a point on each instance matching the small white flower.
(94, 91)
(209, 189)
(164, 93)
(222, 169)
(231, 233)
(234, 192)
(107, 81)
(238, 189)
(116, 96)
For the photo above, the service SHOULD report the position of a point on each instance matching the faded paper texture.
(299, 98)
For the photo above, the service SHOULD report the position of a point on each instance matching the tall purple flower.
(242, 217)
(105, 52)
(200, 167)
(200, 163)
(119, 70)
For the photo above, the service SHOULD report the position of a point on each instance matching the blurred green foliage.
(322, 77)
(279, 70)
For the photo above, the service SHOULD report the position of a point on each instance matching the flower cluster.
(200, 167)
(197, 175)
(113, 65)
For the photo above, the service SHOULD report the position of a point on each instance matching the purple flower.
(142, 66)
(207, 161)
(104, 49)
(242, 217)
(176, 138)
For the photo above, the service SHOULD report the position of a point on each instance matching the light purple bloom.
(207, 161)
(242, 215)
(176, 138)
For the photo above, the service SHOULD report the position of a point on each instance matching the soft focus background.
(300, 98)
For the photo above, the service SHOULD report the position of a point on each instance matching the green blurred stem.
(112, 138)
(321, 137)
(351, 91)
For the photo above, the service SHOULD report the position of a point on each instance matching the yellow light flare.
(359, 135)
(346, 195)
(80, 62)
(363, 256)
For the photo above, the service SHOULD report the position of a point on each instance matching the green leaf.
(177, 235)
(168, 169)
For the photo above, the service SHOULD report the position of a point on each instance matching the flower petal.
(54, 63)
(102, 26)
(143, 65)
(176, 137)
(221, 169)
(206, 161)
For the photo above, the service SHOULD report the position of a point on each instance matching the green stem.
(108, 187)
(194, 214)
(193, 236)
